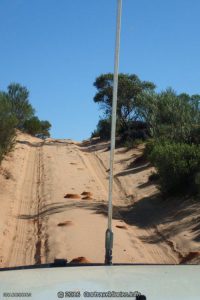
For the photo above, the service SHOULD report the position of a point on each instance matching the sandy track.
(18, 243)
(43, 174)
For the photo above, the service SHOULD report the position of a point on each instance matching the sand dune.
(38, 225)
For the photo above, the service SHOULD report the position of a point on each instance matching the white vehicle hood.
(155, 282)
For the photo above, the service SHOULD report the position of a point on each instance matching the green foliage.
(171, 120)
(37, 128)
(171, 116)
(178, 166)
(149, 147)
(197, 182)
(20, 105)
(32, 126)
(103, 129)
(45, 129)
(17, 112)
(136, 130)
(130, 87)
(130, 143)
(7, 125)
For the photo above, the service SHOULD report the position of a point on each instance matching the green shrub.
(32, 126)
(178, 166)
(20, 106)
(195, 134)
(197, 182)
(130, 144)
(150, 144)
(7, 126)
(45, 129)
(37, 128)
(103, 129)
(17, 112)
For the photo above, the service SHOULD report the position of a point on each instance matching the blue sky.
(57, 49)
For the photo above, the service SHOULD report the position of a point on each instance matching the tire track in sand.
(29, 243)
(41, 245)
(22, 248)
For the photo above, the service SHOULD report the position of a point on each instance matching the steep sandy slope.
(38, 223)
(176, 222)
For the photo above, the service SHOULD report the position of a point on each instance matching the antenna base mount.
(109, 246)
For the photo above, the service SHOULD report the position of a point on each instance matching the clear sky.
(56, 48)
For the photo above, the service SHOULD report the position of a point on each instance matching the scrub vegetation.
(167, 122)
(16, 112)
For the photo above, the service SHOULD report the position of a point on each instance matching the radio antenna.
(109, 233)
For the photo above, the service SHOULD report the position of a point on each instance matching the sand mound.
(72, 196)
(66, 223)
(79, 260)
(87, 198)
(122, 226)
(88, 194)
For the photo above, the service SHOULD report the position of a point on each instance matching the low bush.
(37, 128)
(130, 144)
(178, 167)
(17, 112)
(7, 126)
(103, 129)
(135, 130)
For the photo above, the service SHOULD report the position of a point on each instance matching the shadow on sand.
(147, 213)
(45, 143)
